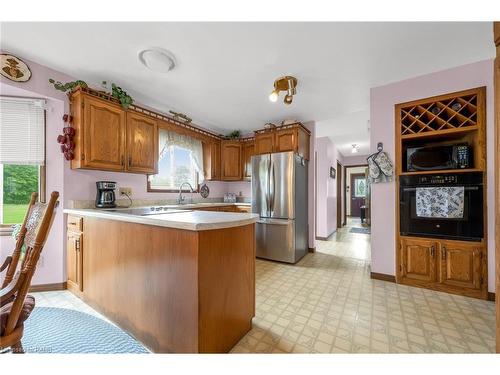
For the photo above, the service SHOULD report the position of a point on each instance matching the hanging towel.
(440, 202)
(380, 168)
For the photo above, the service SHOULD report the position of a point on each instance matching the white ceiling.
(225, 71)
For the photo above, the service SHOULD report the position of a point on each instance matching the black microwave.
(429, 158)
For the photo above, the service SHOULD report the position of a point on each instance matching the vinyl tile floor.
(327, 303)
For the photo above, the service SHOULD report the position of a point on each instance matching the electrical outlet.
(125, 190)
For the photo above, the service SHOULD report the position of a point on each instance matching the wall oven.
(446, 206)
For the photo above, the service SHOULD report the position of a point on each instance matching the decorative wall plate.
(14, 68)
(204, 191)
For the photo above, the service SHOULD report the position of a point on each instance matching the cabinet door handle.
(77, 244)
(443, 253)
(433, 252)
(123, 161)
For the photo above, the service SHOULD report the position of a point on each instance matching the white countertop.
(188, 220)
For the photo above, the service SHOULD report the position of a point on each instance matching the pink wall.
(51, 266)
(311, 187)
(326, 189)
(355, 160)
(382, 101)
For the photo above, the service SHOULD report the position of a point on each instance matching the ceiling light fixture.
(157, 59)
(355, 149)
(286, 83)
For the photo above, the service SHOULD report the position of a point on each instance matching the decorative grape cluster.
(66, 139)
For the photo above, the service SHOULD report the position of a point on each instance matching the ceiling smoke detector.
(355, 149)
(157, 60)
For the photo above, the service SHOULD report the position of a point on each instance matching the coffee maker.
(105, 197)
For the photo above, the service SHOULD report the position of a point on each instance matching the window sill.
(6, 230)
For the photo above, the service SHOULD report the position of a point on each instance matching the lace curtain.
(170, 138)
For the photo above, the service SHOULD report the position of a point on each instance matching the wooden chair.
(15, 304)
(12, 261)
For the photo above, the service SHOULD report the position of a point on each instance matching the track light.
(286, 83)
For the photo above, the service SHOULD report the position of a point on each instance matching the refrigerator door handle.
(272, 189)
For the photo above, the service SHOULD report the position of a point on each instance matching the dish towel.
(380, 168)
(440, 202)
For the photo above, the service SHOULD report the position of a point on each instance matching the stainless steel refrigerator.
(279, 196)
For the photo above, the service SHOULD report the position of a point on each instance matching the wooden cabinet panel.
(74, 261)
(264, 143)
(104, 135)
(142, 143)
(248, 151)
(418, 257)
(286, 140)
(231, 160)
(211, 160)
(460, 264)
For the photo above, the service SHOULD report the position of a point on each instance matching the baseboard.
(383, 277)
(47, 287)
(326, 238)
(491, 296)
(312, 249)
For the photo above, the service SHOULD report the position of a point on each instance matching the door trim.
(339, 194)
(496, 96)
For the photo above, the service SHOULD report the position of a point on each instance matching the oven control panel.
(438, 179)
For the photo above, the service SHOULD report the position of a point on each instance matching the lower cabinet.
(418, 260)
(74, 257)
(451, 266)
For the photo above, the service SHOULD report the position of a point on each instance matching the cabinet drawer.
(75, 223)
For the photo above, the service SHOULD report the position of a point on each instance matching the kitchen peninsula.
(182, 281)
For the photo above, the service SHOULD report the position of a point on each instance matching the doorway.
(356, 192)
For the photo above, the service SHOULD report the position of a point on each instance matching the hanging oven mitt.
(380, 167)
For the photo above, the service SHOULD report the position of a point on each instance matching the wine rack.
(444, 114)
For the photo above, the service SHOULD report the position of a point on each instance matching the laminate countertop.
(174, 217)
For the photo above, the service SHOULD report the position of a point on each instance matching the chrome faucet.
(181, 198)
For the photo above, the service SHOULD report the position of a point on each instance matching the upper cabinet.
(142, 144)
(111, 139)
(294, 137)
(264, 142)
(211, 160)
(248, 151)
(231, 160)
(103, 128)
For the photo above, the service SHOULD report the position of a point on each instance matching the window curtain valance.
(22, 131)
(168, 139)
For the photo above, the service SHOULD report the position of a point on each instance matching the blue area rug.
(360, 230)
(55, 330)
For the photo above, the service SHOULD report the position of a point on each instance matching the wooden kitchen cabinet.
(102, 132)
(211, 160)
(142, 143)
(110, 138)
(264, 142)
(461, 264)
(292, 137)
(248, 151)
(418, 259)
(457, 267)
(74, 254)
(231, 156)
